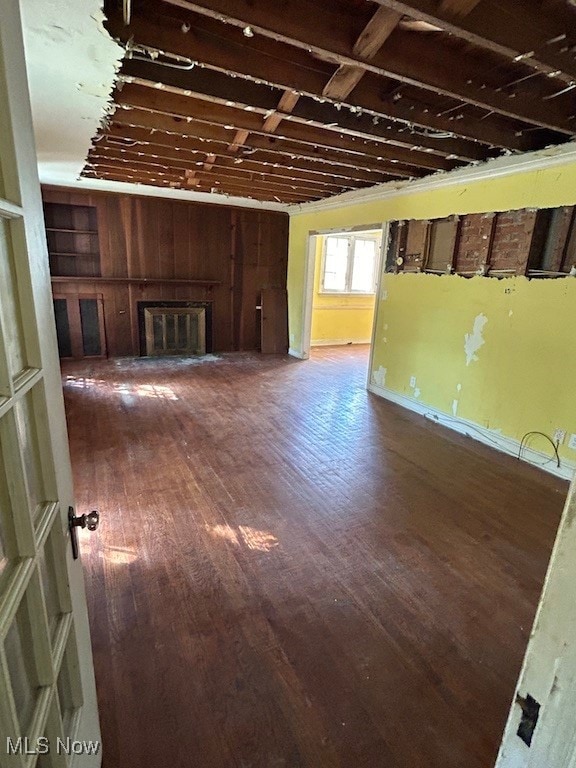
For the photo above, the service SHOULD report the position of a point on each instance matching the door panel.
(90, 324)
(62, 327)
(80, 325)
(274, 321)
(46, 674)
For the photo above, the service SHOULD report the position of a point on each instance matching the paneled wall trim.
(130, 249)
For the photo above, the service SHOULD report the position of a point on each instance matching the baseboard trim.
(487, 436)
(297, 353)
(337, 342)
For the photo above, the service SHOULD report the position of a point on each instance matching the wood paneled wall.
(244, 251)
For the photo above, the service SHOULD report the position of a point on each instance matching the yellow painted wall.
(525, 374)
(341, 318)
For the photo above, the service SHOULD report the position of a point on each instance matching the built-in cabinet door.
(48, 712)
(80, 325)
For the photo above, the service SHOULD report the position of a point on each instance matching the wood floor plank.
(293, 572)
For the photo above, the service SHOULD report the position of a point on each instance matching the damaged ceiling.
(300, 100)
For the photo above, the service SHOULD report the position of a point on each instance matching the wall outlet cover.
(413, 381)
(572, 442)
(559, 436)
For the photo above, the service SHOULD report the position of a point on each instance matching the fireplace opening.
(175, 327)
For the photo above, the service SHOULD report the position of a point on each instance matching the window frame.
(352, 238)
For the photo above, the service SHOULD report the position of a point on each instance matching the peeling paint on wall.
(473, 341)
(379, 376)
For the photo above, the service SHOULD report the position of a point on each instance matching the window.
(350, 263)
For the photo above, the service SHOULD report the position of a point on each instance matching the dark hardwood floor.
(292, 572)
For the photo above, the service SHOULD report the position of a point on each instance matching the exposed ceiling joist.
(177, 146)
(258, 180)
(245, 169)
(222, 48)
(286, 104)
(417, 63)
(542, 37)
(238, 141)
(369, 42)
(223, 89)
(127, 120)
(206, 184)
(300, 100)
(178, 108)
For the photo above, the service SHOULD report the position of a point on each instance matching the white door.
(541, 728)
(47, 691)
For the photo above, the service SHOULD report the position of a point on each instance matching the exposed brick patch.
(512, 239)
(474, 243)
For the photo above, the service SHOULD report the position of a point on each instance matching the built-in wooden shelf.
(135, 280)
(73, 231)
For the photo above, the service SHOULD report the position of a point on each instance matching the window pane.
(23, 677)
(363, 266)
(336, 264)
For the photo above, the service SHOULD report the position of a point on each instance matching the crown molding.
(490, 169)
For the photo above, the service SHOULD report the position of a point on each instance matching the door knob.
(89, 521)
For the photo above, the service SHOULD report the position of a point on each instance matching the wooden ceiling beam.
(158, 141)
(543, 38)
(135, 178)
(286, 104)
(223, 89)
(155, 153)
(209, 164)
(408, 58)
(456, 8)
(258, 185)
(124, 120)
(238, 141)
(106, 155)
(181, 108)
(204, 182)
(223, 49)
(376, 32)
(369, 42)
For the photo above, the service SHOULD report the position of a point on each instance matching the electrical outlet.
(413, 382)
(559, 436)
(572, 442)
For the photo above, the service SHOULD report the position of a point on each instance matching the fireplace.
(175, 327)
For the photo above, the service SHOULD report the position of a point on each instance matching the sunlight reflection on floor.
(261, 541)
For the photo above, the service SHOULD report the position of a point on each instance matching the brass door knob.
(90, 521)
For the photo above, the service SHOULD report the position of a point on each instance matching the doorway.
(343, 275)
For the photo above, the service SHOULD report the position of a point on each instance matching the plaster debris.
(459, 387)
(473, 341)
(379, 376)
(510, 313)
